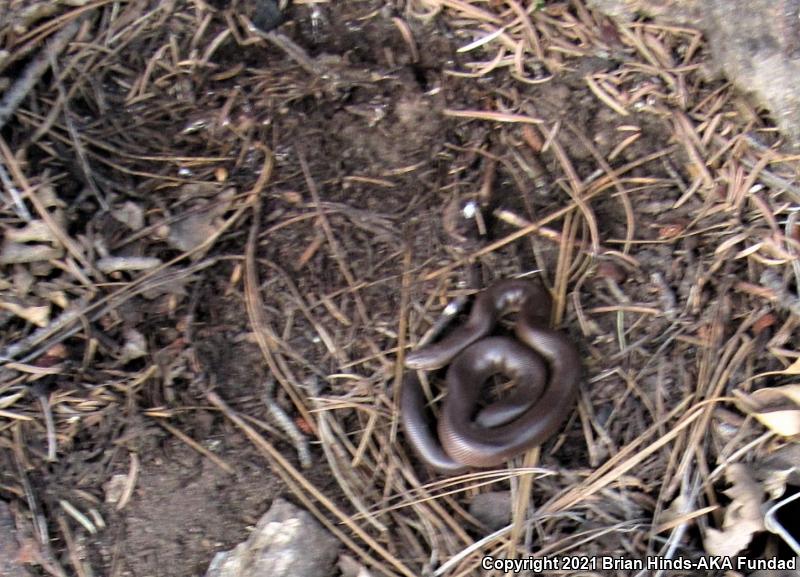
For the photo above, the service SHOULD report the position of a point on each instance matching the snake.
(543, 362)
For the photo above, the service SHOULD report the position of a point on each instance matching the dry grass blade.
(612, 471)
(492, 116)
(303, 488)
(197, 447)
(264, 335)
(14, 96)
(41, 209)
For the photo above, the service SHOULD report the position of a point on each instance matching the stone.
(755, 43)
(492, 509)
(287, 542)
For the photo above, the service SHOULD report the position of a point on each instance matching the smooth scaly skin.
(513, 425)
(488, 356)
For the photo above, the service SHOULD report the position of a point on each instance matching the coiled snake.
(543, 362)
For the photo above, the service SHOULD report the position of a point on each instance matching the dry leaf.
(38, 315)
(777, 572)
(114, 488)
(743, 516)
(58, 298)
(34, 231)
(793, 369)
(48, 197)
(779, 469)
(764, 322)
(9, 400)
(777, 408)
(676, 510)
(192, 231)
(135, 345)
(21, 253)
(350, 567)
(129, 214)
(23, 280)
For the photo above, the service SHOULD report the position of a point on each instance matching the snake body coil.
(544, 364)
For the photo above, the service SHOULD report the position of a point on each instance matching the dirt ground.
(307, 214)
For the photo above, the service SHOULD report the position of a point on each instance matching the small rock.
(193, 229)
(130, 214)
(115, 488)
(755, 42)
(267, 15)
(349, 567)
(287, 542)
(492, 509)
(135, 346)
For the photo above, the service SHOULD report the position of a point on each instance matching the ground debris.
(286, 542)
(777, 408)
(12, 546)
(743, 516)
(760, 53)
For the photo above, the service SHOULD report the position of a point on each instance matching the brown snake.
(543, 362)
